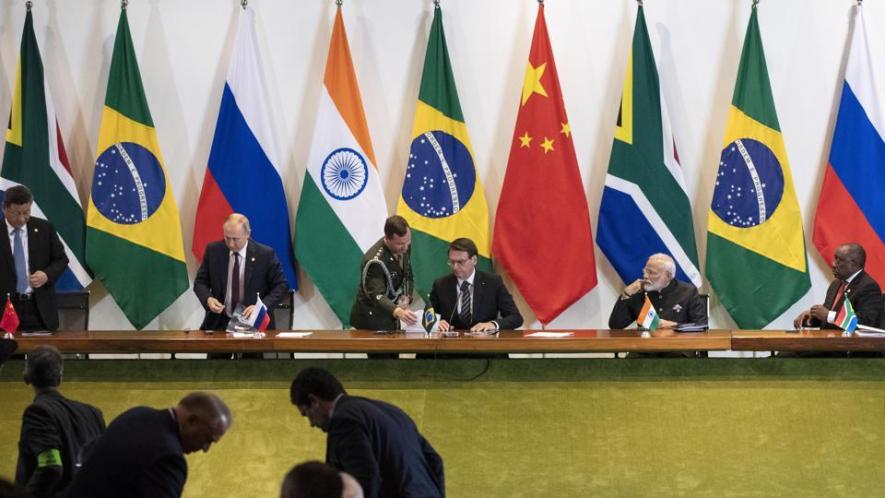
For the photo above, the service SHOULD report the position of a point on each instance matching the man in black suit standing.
(31, 260)
(236, 270)
(374, 441)
(852, 283)
(55, 430)
(472, 299)
(142, 452)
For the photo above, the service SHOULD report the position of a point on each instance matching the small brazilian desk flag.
(756, 259)
(442, 197)
(133, 235)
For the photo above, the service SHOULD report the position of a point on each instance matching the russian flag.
(850, 207)
(260, 318)
(243, 174)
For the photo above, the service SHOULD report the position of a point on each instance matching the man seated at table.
(851, 283)
(234, 272)
(676, 302)
(472, 299)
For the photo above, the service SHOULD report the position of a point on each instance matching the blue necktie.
(21, 270)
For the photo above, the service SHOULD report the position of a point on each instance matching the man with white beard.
(676, 302)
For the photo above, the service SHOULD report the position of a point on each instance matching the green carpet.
(566, 427)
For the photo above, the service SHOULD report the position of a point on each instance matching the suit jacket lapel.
(478, 293)
(6, 250)
(247, 273)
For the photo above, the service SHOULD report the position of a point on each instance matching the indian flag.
(648, 316)
(342, 210)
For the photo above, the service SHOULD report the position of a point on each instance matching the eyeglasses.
(458, 262)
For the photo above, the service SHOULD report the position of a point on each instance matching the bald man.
(676, 302)
(142, 452)
(236, 270)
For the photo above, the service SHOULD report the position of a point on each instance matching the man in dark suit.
(142, 452)
(675, 302)
(851, 283)
(374, 441)
(472, 299)
(55, 430)
(31, 260)
(236, 270)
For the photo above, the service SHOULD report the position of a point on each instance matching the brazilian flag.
(756, 260)
(133, 235)
(442, 197)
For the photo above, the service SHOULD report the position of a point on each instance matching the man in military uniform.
(385, 288)
(676, 302)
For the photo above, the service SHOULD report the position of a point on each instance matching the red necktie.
(837, 301)
(235, 283)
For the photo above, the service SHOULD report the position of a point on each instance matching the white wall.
(183, 48)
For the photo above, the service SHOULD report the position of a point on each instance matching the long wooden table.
(509, 341)
(803, 340)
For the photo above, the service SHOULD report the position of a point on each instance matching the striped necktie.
(465, 315)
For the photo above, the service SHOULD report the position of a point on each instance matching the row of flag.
(756, 258)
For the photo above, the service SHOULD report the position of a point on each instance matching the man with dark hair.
(385, 289)
(851, 283)
(55, 430)
(472, 299)
(235, 271)
(142, 451)
(318, 480)
(374, 441)
(33, 258)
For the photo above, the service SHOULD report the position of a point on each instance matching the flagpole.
(244, 4)
(28, 5)
(124, 4)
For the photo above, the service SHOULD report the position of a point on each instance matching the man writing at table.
(235, 271)
(472, 299)
(676, 302)
(32, 258)
(851, 283)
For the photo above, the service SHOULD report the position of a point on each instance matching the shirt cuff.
(831, 317)
(497, 327)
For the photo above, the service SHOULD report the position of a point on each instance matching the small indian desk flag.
(648, 316)
(846, 319)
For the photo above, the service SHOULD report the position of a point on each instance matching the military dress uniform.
(383, 280)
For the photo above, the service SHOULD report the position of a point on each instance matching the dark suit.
(54, 422)
(140, 455)
(379, 445)
(491, 302)
(865, 296)
(263, 275)
(46, 254)
(678, 302)
(382, 281)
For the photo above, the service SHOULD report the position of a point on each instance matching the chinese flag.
(9, 322)
(542, 227)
